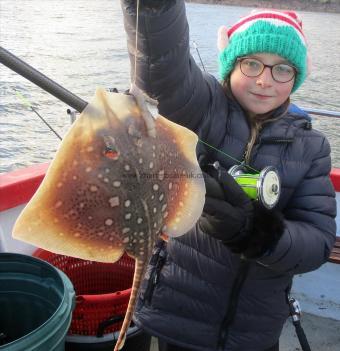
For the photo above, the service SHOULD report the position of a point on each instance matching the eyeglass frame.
(240, 59)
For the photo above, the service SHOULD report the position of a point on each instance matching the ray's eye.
(110, 150)
(111, 153)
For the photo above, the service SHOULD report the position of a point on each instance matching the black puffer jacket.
(184, 298)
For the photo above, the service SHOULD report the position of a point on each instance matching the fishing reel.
(264, 187)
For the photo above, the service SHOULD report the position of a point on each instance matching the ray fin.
(192, 196)
(40, 224)
(36, 227)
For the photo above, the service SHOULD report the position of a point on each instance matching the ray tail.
(140, 268)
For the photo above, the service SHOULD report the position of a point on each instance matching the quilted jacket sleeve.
(310, 227)
(165, 69)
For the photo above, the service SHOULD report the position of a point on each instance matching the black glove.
(268, 227)
(228, 212)
(245, 226)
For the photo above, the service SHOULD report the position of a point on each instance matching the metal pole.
(326, 113)
(39, 79)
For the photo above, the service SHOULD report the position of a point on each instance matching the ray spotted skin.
(112, 188)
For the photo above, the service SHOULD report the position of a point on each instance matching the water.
(81, 45)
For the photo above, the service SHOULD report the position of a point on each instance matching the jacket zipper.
(229, 317)
(244, 265)
(158, 261)
(276, 140)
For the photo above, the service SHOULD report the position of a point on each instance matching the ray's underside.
(111, 188)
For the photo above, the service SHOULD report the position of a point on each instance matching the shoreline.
(297, 5)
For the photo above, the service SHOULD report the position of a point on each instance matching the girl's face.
(261, 94)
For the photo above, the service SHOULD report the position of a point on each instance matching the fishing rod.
(25, 70)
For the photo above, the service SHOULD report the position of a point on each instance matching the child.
(224, 284)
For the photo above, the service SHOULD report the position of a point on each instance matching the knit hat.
(265, 31)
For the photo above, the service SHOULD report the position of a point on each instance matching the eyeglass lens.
(281, 72)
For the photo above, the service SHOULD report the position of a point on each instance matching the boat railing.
(318, 112)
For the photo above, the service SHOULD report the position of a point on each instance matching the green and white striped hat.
(265, 31)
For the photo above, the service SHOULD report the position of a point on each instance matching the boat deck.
(323, 334)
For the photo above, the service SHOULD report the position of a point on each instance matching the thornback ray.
(113, 188)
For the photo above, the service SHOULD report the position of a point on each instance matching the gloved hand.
(267, 229)
(228, 212)
(245, 226)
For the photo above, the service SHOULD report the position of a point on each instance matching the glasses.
(281, 72)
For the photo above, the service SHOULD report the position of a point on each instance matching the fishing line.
(29, 105)
(231, 157)
(136, 41)
(199, 55)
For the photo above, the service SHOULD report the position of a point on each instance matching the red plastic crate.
(102, 290)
